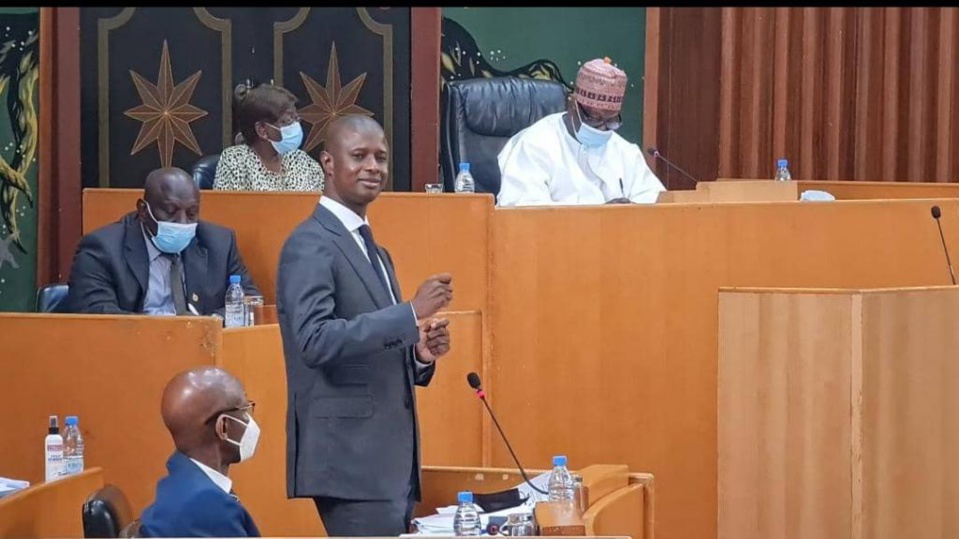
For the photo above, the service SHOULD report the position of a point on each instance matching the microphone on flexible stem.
(936, 214)
(654, 153)
(474, 382)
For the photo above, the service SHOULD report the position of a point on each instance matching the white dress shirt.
(353, 222)
(543, 164)
(219, 479)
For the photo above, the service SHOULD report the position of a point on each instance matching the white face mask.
(251, 436)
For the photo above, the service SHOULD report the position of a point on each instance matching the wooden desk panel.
(606, 318)
(49, 509)
(110, 372)
(853, 190)
(784, 408)
(255, 356)
(859, 190)
(451, 416)
(425, 234)
(834, 413)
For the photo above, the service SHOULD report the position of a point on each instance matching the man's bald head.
(171, 195)
(338, 130)
(164, 182)
(192, 398)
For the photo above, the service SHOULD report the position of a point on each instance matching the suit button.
(407, 403)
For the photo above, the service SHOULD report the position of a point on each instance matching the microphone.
(474, 381)
(936, 214)
(654, 153)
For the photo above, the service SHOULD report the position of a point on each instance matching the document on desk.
(441, 524)
(525, 491)
(9, 486)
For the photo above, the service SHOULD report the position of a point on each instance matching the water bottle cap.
(559, 460)
(464, 167)
(782, 163)
(71, 420)
(465, 497)
(234, 279)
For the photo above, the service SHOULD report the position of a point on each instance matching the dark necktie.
(373, 253)
(176, 283)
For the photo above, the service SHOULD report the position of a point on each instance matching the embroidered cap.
(600, 85)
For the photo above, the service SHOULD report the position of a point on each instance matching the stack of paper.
(9, 486)
(442, 522)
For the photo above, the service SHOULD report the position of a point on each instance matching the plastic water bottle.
(782, 171)
(560, 481)
(235, 311)
(72, 446)
(464, 180)
(53, 451)
(466, 521)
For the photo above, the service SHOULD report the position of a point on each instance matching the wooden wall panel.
(424, 95)
(681, 81)
(843, 93)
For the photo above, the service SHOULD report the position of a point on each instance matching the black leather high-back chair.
(53, 299)
(204, 171)
(480, 115)
(106, 513)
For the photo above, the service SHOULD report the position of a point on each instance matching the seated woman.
(268, 158)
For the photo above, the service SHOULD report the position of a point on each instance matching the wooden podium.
(837, 413)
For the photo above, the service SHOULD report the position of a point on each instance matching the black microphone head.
(651, 151)
(936, 212)
(474, 380)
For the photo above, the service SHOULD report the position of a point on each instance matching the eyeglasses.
(249, 408)
(611, 124)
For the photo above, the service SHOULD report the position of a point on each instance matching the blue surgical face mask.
(292, 137)
(590, 136)
(171, 238)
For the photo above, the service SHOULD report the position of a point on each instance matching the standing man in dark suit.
(353, 351)
(211, 421)
(160, 259)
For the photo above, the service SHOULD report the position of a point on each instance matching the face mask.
(171, 238)
(590, 136)
(251, 436)
(292, 138)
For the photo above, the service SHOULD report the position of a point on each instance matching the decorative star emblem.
(166, 111)
(329, 102)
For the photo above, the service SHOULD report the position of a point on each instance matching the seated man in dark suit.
(210, 419)
(160, 259)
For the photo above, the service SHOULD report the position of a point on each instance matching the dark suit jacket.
(350, 369)
(189, 504)
(111, 269)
